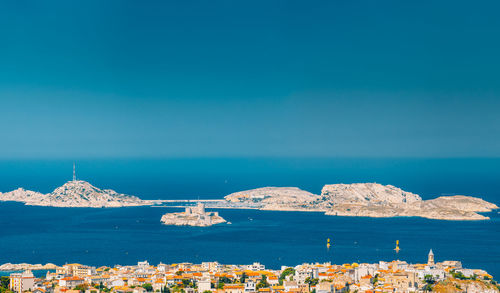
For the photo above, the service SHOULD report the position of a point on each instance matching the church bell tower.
(430, 258)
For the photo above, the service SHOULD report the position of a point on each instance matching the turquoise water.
(127, 235)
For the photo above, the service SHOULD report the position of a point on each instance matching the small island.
(362, 200)
(193, 216)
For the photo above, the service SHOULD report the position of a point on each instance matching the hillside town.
(213, 277)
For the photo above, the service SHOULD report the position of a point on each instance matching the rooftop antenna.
(74, 173)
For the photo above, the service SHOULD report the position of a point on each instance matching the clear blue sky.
(249, 78)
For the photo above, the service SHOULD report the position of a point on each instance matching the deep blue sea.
(127, 235)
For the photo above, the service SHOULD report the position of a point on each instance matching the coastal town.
(213, 277)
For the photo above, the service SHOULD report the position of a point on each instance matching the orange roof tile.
(72, 279)
(233, 287)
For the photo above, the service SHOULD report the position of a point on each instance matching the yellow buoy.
(328, 243)
(397, 246)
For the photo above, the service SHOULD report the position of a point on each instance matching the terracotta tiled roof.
(72, 279)
(233, 287)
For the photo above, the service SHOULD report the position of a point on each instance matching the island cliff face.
(362, 200)
(273, 198)
(75, 193)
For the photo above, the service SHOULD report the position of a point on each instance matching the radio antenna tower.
(74, 173)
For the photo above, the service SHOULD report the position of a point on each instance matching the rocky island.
(26, 266)
(193, 216)
(76, 193)
(362, 200)
(358, 199)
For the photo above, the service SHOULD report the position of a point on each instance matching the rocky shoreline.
(26, 266)
(363, 200)
(76, 193)
(356, 200)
